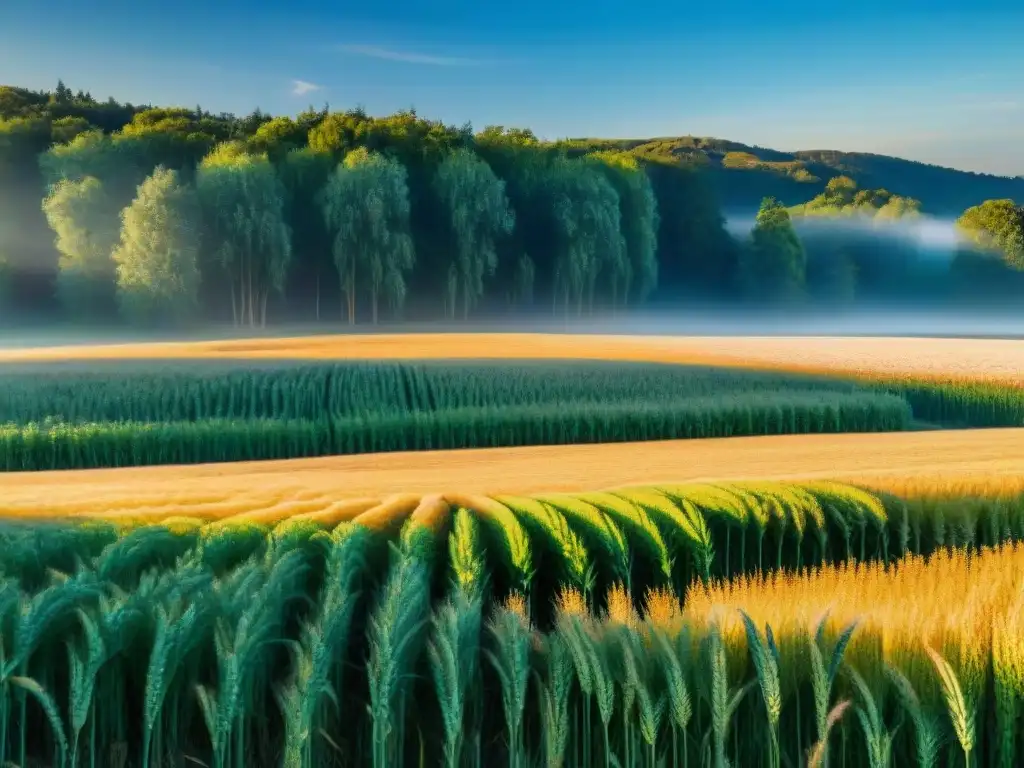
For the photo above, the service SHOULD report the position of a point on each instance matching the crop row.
(668, 535)
(52, 445)
(519, 627)
(158, 392)
(152, 392)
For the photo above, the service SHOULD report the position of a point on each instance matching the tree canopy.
(243, 201)
(773, 265)
(998, 225)
(157, 259)
(478, 216)
(366, 210)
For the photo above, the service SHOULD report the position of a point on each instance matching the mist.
(717, 320)
(935, 239)
(904, 254)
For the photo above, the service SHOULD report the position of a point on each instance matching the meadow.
(603, 627)
(677, 558)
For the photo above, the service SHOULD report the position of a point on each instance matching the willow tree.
(157, 259)
(588, 226)
(243, 204)
(637, 275)
(91, 178)
(79, 214)
(478, 215)
(365, 205)
(305, 172)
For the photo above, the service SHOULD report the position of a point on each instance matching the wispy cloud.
(408, 57)
(301, 87)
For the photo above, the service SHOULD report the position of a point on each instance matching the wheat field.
(306, 485)
(626, 597)
(975, 359)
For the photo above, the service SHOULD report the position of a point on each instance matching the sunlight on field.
(279, 489)
(996, 359)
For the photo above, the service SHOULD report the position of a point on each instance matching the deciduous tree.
(305, 173)
(773, 265)
(157, 258)
(478, 216)
(242, 199)
(639, 216)
(588, 226)
(79, 214)
(997, 225)
(365, 206)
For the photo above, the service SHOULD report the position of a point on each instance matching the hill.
(745, 174)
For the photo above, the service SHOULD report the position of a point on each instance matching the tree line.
(167, 216)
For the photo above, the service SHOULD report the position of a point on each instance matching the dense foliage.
(333, 215)
(520, 631)
(998, 225)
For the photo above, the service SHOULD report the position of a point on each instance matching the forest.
(113, 213)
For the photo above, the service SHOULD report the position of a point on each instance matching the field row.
(120, 416)
(973, 359)
(127, 444)
(159, 392)
(643, 536)
(579, 629)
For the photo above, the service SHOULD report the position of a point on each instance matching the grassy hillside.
(745, 174)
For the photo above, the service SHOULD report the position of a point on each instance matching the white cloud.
(408, 57)
(301, 87)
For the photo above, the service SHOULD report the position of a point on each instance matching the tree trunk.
(263, 309)
(241, 297)
(252, 300)
(318, 294)
(350, 294)
(350, 305)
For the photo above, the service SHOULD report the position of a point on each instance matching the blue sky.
(927, 80)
